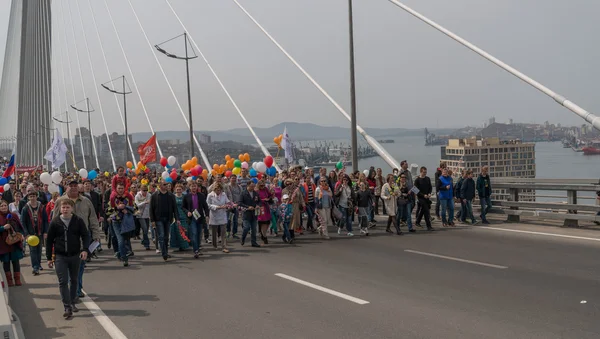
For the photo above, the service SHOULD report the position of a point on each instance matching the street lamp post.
(88, 112)
(187, 58)
(124, 93)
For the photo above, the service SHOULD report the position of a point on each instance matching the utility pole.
(124, 93)
(88, 111)
(352, 90)
(187, 58)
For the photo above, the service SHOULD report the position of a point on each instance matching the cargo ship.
(593, 148)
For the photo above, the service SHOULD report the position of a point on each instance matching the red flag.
(147, 151)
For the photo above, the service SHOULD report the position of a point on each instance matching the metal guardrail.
(10, 325)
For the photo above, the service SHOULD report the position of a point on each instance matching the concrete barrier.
(10, 325)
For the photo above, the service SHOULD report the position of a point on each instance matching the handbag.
(337, 214)
(13, 237)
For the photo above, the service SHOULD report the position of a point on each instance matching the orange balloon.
(222, 169)
(228, 157)
(129, 164)
(204, 174)
(241, 157)
(246, 157)
(213, 173)
(276, 140)
(194, 161)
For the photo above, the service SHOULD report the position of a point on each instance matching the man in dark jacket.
(438, 174)
(248, 202)
(70, 239)
(195, 207)
(423, 184)
(460, 215)
(467, 194)
(484, 190)
(35, 222)
(163, 209)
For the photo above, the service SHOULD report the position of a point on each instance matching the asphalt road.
(456, 283)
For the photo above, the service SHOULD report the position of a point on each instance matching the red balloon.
(199, 168)
(194, 171)
(268, 161)
(228, 174)
(147, 170)
(173, 175)
(163, 162)
(259, 176)
(1, 189)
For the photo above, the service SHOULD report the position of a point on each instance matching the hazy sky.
(408, 74)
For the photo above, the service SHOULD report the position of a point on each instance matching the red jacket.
(117, 179)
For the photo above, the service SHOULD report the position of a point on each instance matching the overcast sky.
(408, 74)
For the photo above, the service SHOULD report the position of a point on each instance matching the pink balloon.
(245, 165)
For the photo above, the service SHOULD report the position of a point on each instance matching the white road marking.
(113, 331)
(457, 259)
(539, 233)
(323, 289)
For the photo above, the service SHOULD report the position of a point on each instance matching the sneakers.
(125, 263)
(220, 240)
(225, 250)
(68, 313)
(474, 222)
(350, 234)
(157, 251)
(196, 254)
(339, 231)
(206, 240)
(74, 308)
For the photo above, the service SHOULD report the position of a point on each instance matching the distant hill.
(297, 131)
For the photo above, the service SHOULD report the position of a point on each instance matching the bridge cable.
(587, 116)
(95, 151)
(393, 163)
(262, 146)
(64, 83)
(87, 48)
(109, 75)
(202, 154)
(62, 16)
(131, 74)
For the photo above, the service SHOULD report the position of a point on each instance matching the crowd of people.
(190, 212)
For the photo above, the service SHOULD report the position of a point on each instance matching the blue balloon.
(255, 180)
(169, 166)
(3, 181)
(168, 180)
(252, 172)
(271, 171)
(194, 178)
(92, 174)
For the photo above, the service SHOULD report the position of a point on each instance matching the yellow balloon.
(236, 170)
(33, 240)
(106, 174)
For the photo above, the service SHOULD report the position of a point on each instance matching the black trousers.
(424, 211)
(67, 271)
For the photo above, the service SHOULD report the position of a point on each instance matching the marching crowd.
(192, 212)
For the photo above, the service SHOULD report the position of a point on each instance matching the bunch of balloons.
(232, 165)
(52, 180)
(169, 177)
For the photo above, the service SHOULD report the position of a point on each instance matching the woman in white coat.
(389, 193)
(218, 204)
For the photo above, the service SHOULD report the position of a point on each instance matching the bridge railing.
(576, 199)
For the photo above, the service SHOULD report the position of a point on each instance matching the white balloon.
(83, 173)
(56, 177)
(46, 178)
(165, 174)
(26, 174)
(366, 173)
(171, 160)
(261, 167)
(6, 187)
(254, 165)
(53, 188)
(189, 179)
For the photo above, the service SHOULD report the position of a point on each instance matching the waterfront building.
(506, 158)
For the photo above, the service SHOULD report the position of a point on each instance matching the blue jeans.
(121, 241)
(250, 226)
(80, 280)
(447, 205)
(468, 210)
(36, 255)
(233, 219)
(347, 215)
(485, 207)
(163, 228)
(196, 227)
(407, 210)
(144, 227)
(310, 214)
(286, 230)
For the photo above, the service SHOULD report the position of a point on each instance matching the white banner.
(287, 146)
(57, 154)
